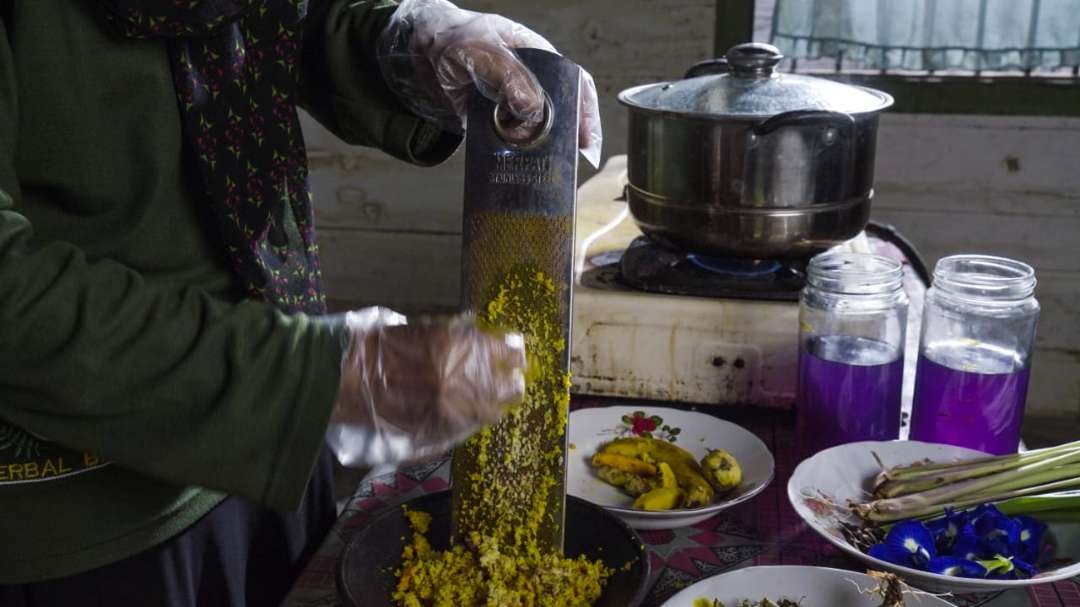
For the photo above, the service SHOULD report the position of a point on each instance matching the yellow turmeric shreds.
(502, 562)
(479, 574)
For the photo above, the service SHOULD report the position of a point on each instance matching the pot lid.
(750, 86)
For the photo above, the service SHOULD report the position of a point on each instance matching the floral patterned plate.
(695, 432)
(810, 586)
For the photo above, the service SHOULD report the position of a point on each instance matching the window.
(970, 84)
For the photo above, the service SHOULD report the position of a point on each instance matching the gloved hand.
(432, 53)
(412, 390)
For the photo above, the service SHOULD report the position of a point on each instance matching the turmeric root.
(664, 497)
(691, 480)
(721, 470)
(631, 484)
(630, 464)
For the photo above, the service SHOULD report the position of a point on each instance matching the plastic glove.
(432, 53)
(412, 390)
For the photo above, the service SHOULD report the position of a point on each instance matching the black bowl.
(365, 574)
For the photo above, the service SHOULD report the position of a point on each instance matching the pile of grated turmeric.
(479, 573)
(502, 561)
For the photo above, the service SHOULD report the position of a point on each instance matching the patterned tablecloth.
(763, 531)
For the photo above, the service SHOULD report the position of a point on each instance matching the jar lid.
(752, 88)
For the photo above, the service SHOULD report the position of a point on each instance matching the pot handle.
(709, 66)
(805, 118)
(839, 120)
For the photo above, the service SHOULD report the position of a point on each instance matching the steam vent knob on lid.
(754, 59)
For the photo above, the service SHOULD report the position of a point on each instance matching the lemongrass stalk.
(1061, 473)
(1032, 473)
(895, 509)
(1038, 478)
(1001, 462)
(957, 491)
(1067, 501)
(920, 468)
(963, 469)
(932, 480)
(917, 484)
(927, 466)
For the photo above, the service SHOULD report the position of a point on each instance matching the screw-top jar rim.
(855, 273)
(984, 278)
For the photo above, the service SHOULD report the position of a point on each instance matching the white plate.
(845, 473)
(810, 586)
(695, 432)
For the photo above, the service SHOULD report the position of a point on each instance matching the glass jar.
(853, 318)
(978, 332)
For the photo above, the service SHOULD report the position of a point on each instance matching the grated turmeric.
(502, 561)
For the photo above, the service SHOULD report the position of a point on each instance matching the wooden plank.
(638, 38)
(1054, 390)
(1047, 243)
(1059, 319)
(1038, 155)
(1047, 431)
(404, 271)
(366, 189)
(966, 199)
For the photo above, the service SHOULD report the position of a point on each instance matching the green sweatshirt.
(137, 386)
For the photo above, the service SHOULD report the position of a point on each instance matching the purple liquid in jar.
(849, 391)
(970, 396)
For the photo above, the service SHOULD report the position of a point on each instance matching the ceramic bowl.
(695, 432)
(806, 585)
(822, 486)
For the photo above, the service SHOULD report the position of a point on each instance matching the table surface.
(763, 531)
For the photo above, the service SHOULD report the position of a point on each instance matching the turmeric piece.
(632, 465)
(697, 491)
(666, 496)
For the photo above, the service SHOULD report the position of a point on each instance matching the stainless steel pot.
(750, 162)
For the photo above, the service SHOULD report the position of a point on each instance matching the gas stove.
(660, 324)
(652, 268)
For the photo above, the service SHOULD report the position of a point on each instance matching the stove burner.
(606, 258)
(647, 266)
(735, 268)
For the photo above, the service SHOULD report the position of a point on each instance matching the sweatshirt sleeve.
(342, 85)
(158, 378)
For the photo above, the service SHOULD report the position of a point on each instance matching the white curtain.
(932, 34)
